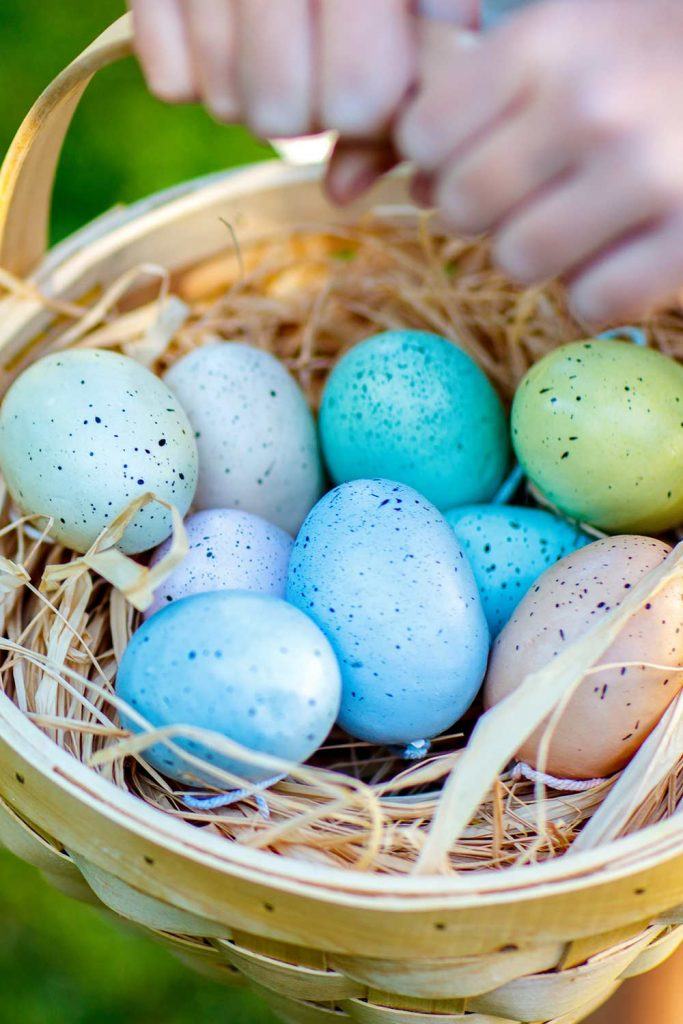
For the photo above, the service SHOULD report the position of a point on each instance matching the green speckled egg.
(598, 427)
(412, 407)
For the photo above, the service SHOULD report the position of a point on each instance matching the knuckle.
(655, 174)
(598, 112)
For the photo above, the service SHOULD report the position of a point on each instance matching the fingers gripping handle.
(28, 171)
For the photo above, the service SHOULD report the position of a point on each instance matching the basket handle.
(28, 171)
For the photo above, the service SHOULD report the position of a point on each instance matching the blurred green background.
(61, 962)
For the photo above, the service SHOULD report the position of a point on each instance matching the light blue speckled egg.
(508, 548)
(82, 433)
(258, 445)
(229, 550)
(381, 572)
(247, 666)
(412, 407)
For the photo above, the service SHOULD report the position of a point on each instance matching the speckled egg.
(598, 427)
(412, 407)
(612, 712)
(258, 448)
(383, 575)
(229, 550)
(247, 666)
(84, 432)
(508, 548)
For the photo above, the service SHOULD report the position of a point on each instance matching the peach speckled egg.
(612, 712)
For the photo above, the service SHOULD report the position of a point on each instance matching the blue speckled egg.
(412, 407)
(381, 572)
(82, 433)
(247, 666)
(258, 446)
(229, 550)
(508, 548)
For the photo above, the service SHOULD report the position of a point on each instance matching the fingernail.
(586, 305)
(172, 89)
(350, 115)
(513, 262)
(271, 119)
(350, 176)
(224, 108)
(416, 143)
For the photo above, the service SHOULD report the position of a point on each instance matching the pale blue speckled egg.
(383, 575)
(508, 548)
(83, 433)
(247, 666)
(229, 550)
(258, 445)
(413, 407)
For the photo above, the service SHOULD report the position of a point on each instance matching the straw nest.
(65, 621)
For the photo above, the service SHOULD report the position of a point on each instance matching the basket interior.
(306, 293)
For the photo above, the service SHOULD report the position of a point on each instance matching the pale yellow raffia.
(308, 295)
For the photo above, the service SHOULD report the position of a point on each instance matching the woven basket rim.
(655, 844)
(591, 867)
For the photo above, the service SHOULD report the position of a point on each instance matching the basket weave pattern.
(553, 982)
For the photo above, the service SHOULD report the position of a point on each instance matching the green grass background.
(62, 962)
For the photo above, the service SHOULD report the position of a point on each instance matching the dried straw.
(308, 295)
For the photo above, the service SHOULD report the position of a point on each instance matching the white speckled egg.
(229, 550)
(82, 433)
(613, 711)
(247, 666)
(258, 448)
(381, 572)
(508, 548)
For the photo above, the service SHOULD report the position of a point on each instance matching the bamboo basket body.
(546, 943)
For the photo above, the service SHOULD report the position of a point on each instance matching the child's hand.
(562, 132)
(290, 67)
(284, 67)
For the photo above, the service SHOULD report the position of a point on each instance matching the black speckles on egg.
(414, 407)
(267, 462)
(412, 628)
(228, 550)
(597, 433)
(508, 548)
(263, 687)
(79, 463)
(614, 709)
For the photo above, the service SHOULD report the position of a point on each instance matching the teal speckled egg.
(412, 407)
(598, 427)
(508, 548)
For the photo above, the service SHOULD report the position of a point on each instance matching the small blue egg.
(413, 407)
(380, 571)
(509, 548)
(245, 665)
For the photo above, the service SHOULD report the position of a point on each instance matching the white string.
(525, 771)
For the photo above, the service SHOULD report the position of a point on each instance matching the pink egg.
(229, 550)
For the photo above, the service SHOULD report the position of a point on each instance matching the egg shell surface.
(612, 712)
(598, 427)
(508, 548)
(83, 433)
(229, 550)
(258, 446)
(383, 575)
(413, 407)
(247, 666)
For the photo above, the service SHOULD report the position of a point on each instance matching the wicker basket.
(541, 943)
